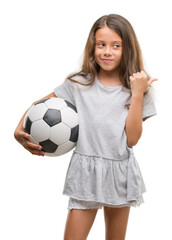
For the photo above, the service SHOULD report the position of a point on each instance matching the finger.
(152, 80)
(137, 75)
(36, 152)
(23, 134)
(131, 78)
(144, 74)
(33, 145)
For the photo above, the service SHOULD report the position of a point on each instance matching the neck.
(111, 76)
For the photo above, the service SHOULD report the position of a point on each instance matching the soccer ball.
(53, 124)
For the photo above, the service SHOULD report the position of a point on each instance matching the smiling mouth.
(107, 60)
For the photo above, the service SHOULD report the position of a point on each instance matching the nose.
(107, 50)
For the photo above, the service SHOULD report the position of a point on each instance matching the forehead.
(107, 34)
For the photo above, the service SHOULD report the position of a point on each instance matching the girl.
(112, 97)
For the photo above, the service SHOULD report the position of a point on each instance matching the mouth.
(107, 60)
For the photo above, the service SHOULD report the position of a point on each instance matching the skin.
(108, 53)
(139, 83)
(80, 221)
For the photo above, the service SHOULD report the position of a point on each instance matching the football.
(53, 124)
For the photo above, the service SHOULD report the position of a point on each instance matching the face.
(108, 49)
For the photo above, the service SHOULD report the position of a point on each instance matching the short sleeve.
(65, 91)
(149, 109)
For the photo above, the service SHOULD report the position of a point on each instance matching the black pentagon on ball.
(27, 125)
(41, 101)
(52, 117)
(71, 105)
(48, 146)
(74, 134)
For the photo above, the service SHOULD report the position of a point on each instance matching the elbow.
(15, 134)
(133, 140)
(132, 143)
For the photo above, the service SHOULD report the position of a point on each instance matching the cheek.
(119, 56)
(96, 54)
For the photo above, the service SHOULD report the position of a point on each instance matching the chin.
(108, 69)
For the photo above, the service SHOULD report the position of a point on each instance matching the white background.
(41, 42)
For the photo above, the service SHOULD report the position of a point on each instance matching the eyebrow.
(112, 42)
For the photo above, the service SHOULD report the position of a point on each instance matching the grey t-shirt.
(102, 115)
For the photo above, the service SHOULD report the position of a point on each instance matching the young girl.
(112, 97)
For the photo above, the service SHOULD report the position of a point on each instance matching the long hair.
(131, 61)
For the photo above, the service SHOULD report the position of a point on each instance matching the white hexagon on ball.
(69, 117)
(40, 130)
(37, 112)
(56, 103)
(60, 133)
(31, 139)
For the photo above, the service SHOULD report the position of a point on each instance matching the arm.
(22, 137)
(133, 127)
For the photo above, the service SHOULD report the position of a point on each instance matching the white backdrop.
(42, 42)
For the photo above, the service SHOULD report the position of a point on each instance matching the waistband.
(122, 157)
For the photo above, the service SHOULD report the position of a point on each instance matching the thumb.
(151, 80)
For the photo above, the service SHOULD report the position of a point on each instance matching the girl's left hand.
(140, 82)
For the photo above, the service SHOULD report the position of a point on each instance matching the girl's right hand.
(140, 82)
(22, 138)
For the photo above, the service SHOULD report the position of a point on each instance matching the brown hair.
(131, 61)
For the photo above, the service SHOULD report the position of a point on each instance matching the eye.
(100, 44)
(116, 45)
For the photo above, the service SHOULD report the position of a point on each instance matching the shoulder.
(79, 81)
(81, 78)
